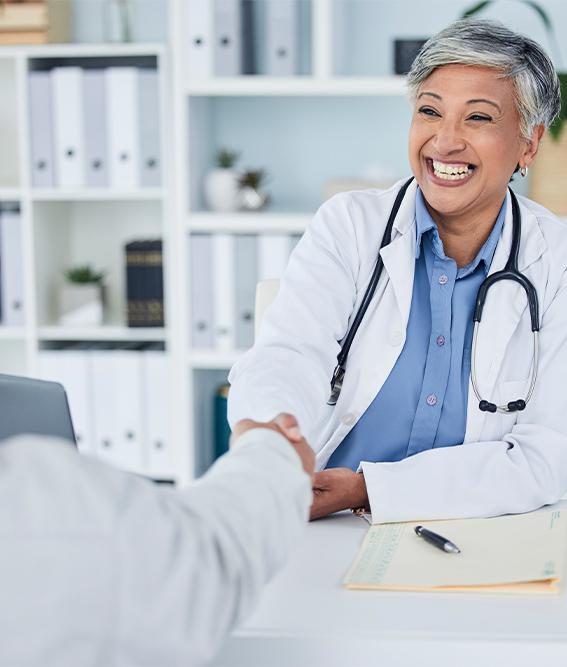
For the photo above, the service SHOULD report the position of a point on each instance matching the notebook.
(522, 553)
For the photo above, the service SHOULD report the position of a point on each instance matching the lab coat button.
(348, 419)
(396, 337)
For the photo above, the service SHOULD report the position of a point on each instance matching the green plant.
(557, 125)
(83, 275)
(226, 159)
(253, 178)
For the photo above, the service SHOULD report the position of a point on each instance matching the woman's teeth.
(450, 172)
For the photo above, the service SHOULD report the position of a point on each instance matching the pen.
(437, 540)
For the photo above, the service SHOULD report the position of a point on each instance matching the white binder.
(156, 384)
(223, 291)
(200, 38)
(68, 126)
(11, 268)
(273, 255)
(201, 290)
(246, 278)
(41, 130)
(96, 151)
(281, 37)
(228, 37)
(148, 105)
(117, 401)
(123, 126)
(72, 369)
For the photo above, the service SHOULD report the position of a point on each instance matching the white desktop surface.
(305, 618)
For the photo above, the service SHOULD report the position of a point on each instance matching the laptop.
(34, 406)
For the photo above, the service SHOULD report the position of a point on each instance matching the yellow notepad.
(522, 553)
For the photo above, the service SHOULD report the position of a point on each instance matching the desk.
(306, 619)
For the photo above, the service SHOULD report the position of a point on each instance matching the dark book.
(221, 427)
(144, 283)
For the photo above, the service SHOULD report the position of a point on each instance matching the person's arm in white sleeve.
(525, 470)
(289, 369)
(193, 563)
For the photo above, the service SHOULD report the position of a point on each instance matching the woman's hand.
(337, 489)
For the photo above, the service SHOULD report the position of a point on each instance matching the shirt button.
(440, 340)
(348, 419)
(443, 279)
(431, 400)
(396, 337)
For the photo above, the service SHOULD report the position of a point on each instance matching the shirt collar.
(426, 225)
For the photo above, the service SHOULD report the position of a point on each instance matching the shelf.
(248, 223)
(264, 85)
(104, 333)
(82, 50)
(12, 333)
(10, 194)
(147, 194)
(214, 359)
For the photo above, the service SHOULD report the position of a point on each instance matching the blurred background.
(159, 158)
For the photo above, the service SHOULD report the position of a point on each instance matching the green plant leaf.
(476, 8)
(556, 127)
(542, 13)
(83, 275)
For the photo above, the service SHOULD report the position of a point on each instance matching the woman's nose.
(448, 138)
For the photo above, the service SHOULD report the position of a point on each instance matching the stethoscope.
(510, 272)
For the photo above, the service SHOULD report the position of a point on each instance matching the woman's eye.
(479, 116)
(428, 111)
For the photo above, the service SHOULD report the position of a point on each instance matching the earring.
(523, 172)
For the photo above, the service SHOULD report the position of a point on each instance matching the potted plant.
(81, 297)
(548, 174)
(221, 183)
(250, 183)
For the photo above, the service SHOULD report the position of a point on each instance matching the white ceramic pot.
(221, 190)
(81, 305)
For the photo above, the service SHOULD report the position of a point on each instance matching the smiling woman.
(391, 279)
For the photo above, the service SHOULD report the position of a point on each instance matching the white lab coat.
(509, 462)
(99, 567)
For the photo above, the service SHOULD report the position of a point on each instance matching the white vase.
(221, 190)
(81, 305)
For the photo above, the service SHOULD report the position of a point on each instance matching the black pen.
(437, 540)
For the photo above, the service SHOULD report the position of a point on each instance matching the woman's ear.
(532, 146)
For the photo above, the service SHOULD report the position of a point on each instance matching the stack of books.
(34, 21)
(144, 283)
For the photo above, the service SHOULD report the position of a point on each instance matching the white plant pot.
(81, 305)
(221, 190)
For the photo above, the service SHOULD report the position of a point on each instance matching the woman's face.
(465, 139)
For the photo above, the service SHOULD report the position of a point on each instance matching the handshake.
(334, 489)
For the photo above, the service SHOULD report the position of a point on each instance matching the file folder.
(246, 278)
(200, 289)
(68, 126)
(96, 150)
(281, 37)
(123, 126)
(11, 267)
(41, 129)
(228, 37)
(200, 14)
(156, 383)
(223, 291)
(148, 105)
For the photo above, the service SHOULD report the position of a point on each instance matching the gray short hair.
(490, 44)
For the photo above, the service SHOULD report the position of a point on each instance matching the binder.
(148, 106)
(223, 291)
(117, 402)
(222, 428)
(96, 149)
(11, 267)
(123, 126)
(281, 37)
(228, 37)
(246, 278)
(156, 382)
(41, 130)
(68, 126)
(72, 369)
(144, 283)
(200, 38)
(200, 289)
(273, 255)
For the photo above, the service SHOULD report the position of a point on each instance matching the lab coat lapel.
(505, 303)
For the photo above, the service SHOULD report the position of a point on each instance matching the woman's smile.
(449, 174)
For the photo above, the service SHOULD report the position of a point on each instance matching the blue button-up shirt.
(423, 403)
